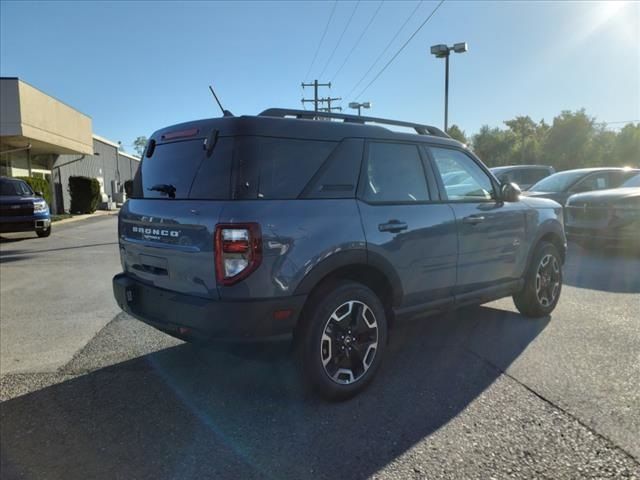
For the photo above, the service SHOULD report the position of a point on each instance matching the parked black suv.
(286, 223)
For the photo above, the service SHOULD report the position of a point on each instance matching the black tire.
(348, 342)
(43, 233)
(540, 296)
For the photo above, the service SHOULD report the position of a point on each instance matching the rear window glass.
(276, 168)
(183, 170)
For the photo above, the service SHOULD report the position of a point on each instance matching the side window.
(338, 176)
(595, 181)
(534, 175)
(394, 173)
(618, 178)
(276, 168)
(475, 185)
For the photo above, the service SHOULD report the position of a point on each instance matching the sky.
(135, 67)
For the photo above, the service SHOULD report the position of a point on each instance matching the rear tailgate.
(169, 244)
(167, 228)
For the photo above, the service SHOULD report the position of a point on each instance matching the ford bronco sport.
(286, 223)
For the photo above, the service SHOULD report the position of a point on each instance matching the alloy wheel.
(548, 280)
(349, 342)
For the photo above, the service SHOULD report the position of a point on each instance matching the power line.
(375, 14)
(386, 48)
(618, 121)
(402, 48)
(333, 10)
(339, 39)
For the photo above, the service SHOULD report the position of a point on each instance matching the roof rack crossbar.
(310, 115)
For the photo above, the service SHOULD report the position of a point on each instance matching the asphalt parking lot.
(88, 392)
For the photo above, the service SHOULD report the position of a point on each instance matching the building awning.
(31, 117)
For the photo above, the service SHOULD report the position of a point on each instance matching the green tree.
(569, 140)
(456, 132)
(138, 145)
(601, 151)
(626, 151)
(494, 146)
(524, 130)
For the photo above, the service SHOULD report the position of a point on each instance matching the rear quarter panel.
(297, 236)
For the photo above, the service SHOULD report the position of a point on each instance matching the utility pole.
(315, 99)
(329, 107)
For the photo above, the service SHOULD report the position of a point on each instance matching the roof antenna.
(225, 113)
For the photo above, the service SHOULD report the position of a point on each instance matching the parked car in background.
(523, 175)
(560, 186)
(22, 209)
(254, 226)
(455, 177)
(606, 217)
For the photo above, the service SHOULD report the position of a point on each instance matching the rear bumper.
(24, 224)
(205, 319)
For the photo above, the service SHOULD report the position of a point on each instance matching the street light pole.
(446, 93)
(358, 106)
(443, 51)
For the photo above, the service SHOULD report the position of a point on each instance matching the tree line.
(573, 140)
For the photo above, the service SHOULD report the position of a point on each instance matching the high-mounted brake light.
(238, 251)
(180, 134)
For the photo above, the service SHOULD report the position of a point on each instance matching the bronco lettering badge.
(155, 233)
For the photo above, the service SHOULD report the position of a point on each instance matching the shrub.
(85, 194)
(38, 184)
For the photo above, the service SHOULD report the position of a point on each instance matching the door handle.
(393, 226)
(473, 219)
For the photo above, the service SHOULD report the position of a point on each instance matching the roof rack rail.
(310, 115)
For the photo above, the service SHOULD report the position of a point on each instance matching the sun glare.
(617, 21)
(611, 8)
(620, 18)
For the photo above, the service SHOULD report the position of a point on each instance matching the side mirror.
(39, 194)
(510, 192)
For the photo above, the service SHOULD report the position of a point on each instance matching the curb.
(77, 218)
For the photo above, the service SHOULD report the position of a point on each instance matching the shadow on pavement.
(6, 259)
(606, 270)
(75, 247)
(15, 239)
(187, 412)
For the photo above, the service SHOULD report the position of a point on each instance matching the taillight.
(238, 250)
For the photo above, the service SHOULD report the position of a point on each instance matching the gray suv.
(286, 223)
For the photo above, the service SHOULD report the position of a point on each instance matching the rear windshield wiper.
(168, 190)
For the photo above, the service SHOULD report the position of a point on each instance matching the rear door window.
(176, 167)
(394, 173)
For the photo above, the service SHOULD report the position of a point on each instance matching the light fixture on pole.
(443, 51)
(358, 106)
